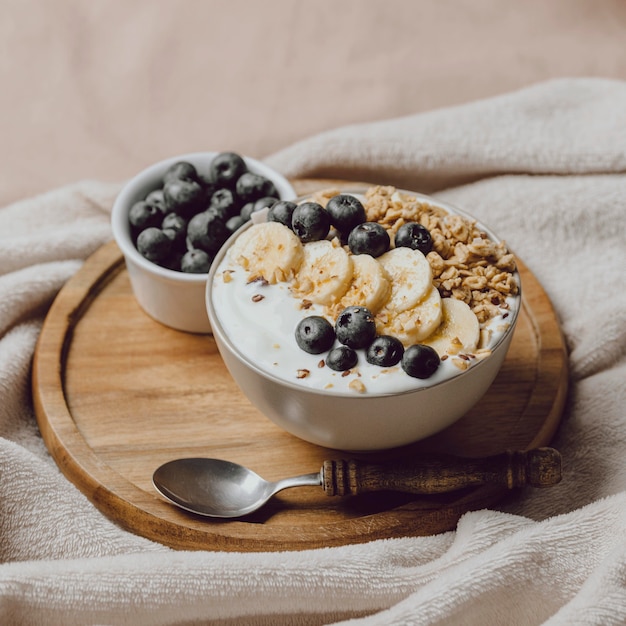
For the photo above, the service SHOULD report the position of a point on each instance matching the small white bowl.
(359, 422)
(176, 299)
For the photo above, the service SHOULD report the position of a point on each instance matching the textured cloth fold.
(545, 167)
(560, 127)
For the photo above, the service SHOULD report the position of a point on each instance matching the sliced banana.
(459, 330)
(414, 325)
(411, 278)
(370, 286)
(325, 274)
(270, 251)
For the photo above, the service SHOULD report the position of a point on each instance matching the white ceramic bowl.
(176, 299)
(350, 421)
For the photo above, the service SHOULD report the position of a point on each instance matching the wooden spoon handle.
(432, 474)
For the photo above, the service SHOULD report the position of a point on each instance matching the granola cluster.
(465, 262)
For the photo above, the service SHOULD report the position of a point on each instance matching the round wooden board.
(117, 394)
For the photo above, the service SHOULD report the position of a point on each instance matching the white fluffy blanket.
(546, 167)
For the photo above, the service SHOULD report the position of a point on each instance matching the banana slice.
(325, 274)
(370, 286)
(459, 330)
(411, 277)
(414, 325)
(268, 250)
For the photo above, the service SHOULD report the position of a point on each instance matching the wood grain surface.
(117, 394)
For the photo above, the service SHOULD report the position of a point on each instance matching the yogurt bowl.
(368, 406)
(173, 297)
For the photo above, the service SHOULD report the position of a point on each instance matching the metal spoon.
(217, 488)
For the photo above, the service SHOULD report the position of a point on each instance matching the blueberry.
(226, 168)
(314, 334)
(157, 199)
(180, 170)
(414, 235)
(265, 202)
(225, 203)
(210, 187)
(282, 212)
(355, 327)
(175, 222)
(384, 351)
(195, 262)
(246, 211)
(420, 361)
(184, 196)
(369, 238)
(207, 232)
(345, 212)
(177, 238)
(235, 222)
(175, 227)
(258, 205)
(310, 221)
(154, 245)
(341, 358)
(250, 187)
(144, 215)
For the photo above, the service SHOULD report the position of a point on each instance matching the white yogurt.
(260, 320)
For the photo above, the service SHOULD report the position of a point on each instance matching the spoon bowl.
(217, 488)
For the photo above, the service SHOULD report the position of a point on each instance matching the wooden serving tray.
(117, 394)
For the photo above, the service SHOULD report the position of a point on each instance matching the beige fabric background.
(101, 88)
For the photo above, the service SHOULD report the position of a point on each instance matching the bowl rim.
(218, 330)
(145, 180)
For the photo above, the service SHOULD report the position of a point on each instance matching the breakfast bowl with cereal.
(363, 320)
(171, 219)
